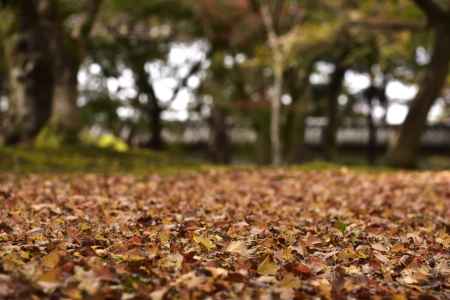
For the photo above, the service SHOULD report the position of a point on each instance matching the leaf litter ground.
(235, 234)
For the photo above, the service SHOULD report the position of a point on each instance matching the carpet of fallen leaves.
(236, 234)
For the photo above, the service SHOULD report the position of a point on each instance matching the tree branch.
(278, 10)
(195, 68)
(270, 26)
(431, 9)
(388, 25)
(93, 8)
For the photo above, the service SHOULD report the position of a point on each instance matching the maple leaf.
(96, 246)
(302, 269)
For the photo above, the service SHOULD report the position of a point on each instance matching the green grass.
(89, 159)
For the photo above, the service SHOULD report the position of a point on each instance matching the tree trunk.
(261, 125)
(329, 135)
(275, 115)
(30, 75)
(156, 141)
(298, 85)
(68, 51)
(406, 147)
(372, 134)
(153, 107)
(66, 115)
(298, 152)
(219, 139)
(277, 88)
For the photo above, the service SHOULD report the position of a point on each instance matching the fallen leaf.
(267, 267)
(204, 241)
(238, 247)
(52, 259)
(290, 281)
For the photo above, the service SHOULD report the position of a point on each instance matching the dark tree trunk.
(219, 140)
(262, 146)
(66, 115)
(298, 151)
(153, 108)
(330, 131)
(68, 51)
(30, 75)
(156, 141)
(294, 129)
(406, 147)
(372, 131)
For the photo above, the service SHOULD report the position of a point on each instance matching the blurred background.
(136, 83)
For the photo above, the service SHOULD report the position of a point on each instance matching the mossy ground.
(88, 159)
(91, 159)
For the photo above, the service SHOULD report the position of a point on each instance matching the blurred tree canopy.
(251, 74)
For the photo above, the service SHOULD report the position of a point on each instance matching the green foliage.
(48, 139)
(7, 18)
(109, 141)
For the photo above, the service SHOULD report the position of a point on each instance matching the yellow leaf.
(134, 258)
(99, 251)
(399, 297)
(84, 227)
(204, 241)
(49, 280)
(267, 267)
(164, 237)
(50, 276)
(25, 254)
(52, 259)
